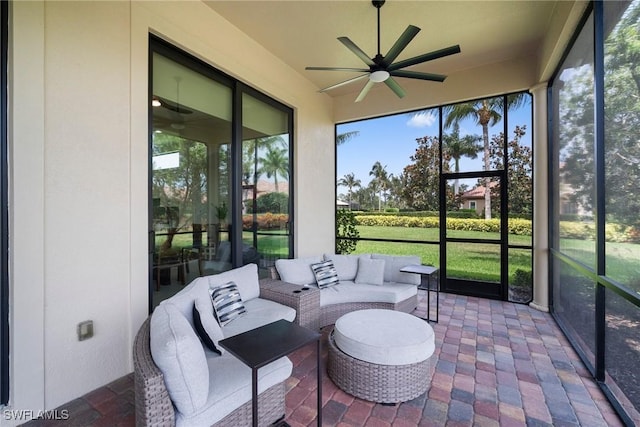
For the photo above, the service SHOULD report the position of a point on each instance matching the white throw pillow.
(178, 353)
(370, 271)
(393, 264)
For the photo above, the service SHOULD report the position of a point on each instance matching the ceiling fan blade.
(365, 90)
(424, 58)
(344, 82)
(361, 70)
(400, 44)
(421, 76)
(174, 106)
(395, 87)
(355, 49)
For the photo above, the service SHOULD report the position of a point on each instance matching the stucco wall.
(78, 158)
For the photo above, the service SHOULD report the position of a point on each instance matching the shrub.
(266, 221)
(520, 227)
(522, 278)
(346, 227)
(271, 202)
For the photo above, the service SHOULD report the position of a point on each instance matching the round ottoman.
(381, 355)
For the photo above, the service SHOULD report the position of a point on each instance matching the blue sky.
(391, 140)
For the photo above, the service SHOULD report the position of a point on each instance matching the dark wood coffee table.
(261, 346)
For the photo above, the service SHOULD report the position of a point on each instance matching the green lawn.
(464, 260)
(621, 258)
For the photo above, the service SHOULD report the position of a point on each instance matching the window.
(220, 161)
(401, 183)
(4, 212)
(595, 233)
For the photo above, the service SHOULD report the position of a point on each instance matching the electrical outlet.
(85, 330)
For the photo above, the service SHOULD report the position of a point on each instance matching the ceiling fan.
(382, 68)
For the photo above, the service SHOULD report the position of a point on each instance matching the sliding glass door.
(220, 162)
(266, 186)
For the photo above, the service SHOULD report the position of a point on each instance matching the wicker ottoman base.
(377, 383)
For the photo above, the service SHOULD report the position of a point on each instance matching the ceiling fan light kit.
(382, 68)
(379, 76)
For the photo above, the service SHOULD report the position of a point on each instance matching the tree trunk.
(487, 180)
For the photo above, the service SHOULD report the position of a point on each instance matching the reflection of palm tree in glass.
(459, 147)
(250, 149)
(275, 163)
(381, 178)
(486, 112)
(350, 181)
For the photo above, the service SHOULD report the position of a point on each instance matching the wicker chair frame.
(154, 407)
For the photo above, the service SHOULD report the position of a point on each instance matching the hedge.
(266, 221)
(522, 227)
(516, 226)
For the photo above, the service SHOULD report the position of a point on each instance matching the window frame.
(4, 212)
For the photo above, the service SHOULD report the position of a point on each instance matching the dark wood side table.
(426, 272)
(261, 346)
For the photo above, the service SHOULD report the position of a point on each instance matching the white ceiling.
(304, 33)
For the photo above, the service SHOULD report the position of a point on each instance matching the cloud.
(422, 120)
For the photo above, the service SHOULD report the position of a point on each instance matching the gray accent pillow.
(325, 273)
(227, 303)
(370, 271)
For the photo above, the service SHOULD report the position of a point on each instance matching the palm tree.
(458, 147)
(487, 112)
(395, 190)
(341, 138)
(250, 150)
(381, 178)
(275, 162)
(350, 181)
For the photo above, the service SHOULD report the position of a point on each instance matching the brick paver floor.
(495, 364)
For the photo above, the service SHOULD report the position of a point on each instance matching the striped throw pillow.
(227, 303)
(325, 273)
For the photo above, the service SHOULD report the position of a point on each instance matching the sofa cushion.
(346, 265)
(227, 303)
(259, 313)
(384, 337)
(179, 355)
(325, 274)
(246, 278)
(198, 289)
(393, 264)
(298, 270)
(206, 326)
(349, 292)
(231, 387)
(370, 271)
